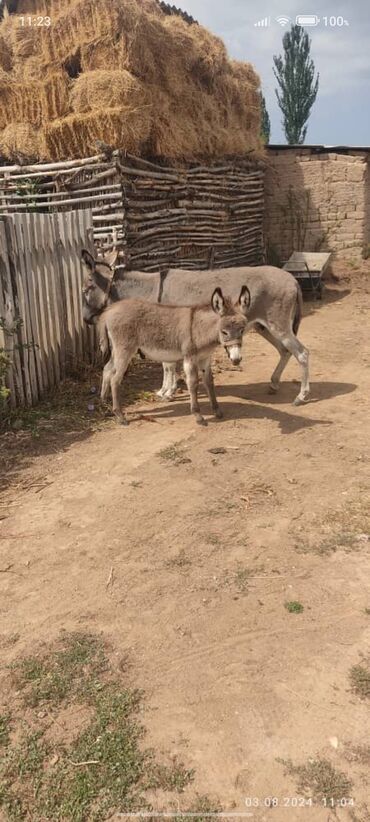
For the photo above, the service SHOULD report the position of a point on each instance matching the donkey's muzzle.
(234, 353)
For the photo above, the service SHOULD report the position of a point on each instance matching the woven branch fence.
(160, 216)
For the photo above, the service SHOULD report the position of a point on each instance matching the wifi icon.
(283, 20)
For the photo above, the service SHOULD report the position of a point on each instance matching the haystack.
(124, 72)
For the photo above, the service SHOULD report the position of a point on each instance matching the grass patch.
(359, 677)
(50, 677)
(4, 729)
(319, 779)
(294, 607)
(347, 528)
(181, 560)
(329, 545)
(174, 453)
(105, 768)
(243, 576)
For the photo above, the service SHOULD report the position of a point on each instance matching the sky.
(341, 113)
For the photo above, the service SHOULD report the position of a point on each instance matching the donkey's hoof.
(121, 419)
(301, 401)
(201, 421)
(219, 414)
(273, 389)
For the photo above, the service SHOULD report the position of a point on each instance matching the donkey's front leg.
(207, 377)
(192, 379)
(169, 385)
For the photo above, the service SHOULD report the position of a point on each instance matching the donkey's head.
(97, 283)
(233, 319)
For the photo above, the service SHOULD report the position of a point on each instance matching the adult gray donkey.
(275, 310)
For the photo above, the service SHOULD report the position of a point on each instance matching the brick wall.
(317, 202)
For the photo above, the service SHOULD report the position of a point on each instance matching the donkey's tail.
(298, 311)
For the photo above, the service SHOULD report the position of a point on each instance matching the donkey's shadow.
(260, 406)
(259, 391)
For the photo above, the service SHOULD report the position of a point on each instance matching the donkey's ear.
(217, 301)
(245, 299)
(111, 257)
(88, 260)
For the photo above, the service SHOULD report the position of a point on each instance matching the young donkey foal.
(171, 333)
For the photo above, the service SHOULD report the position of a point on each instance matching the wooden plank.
(70, 338)
(56, 274)
(75, 295)
(34, 272)
(7, 314)
(41, 261)
(84, 234)
(47, 245)
(25, 329)
(30, 252)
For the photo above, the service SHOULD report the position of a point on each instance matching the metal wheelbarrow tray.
(308, 268)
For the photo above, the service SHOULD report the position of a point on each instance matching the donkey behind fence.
(275, 310)
(172, 333)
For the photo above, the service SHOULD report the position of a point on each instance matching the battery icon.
(307, 20)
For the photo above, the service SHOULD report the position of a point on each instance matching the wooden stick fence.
(190, 217)
(40, 299)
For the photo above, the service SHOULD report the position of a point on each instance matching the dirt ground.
(185, 559)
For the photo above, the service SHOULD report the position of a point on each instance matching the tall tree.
(265, 120)
(298, 87)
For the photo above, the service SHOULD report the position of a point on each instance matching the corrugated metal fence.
(40, 299)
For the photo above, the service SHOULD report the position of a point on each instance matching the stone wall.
(317, 200)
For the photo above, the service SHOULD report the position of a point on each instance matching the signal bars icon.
(265, 22)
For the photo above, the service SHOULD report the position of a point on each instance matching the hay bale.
(55, 96)
(6, 54)
(107, 89)
(25, 39)
(86, 21)
(24, 139)
(75, 136)
(34, 103)
(5, 79)
(102, 55)
(194, 50)
(45, 8)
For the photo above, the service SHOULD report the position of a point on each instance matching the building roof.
(318, 149)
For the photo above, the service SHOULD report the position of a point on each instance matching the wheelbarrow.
(308, 268)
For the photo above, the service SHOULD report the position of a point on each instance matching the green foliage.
(265, 121)
(28, 188)
(294, 607)
(105, 767)
(297, 85)
(319, 779)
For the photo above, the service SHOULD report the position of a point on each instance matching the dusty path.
(184, 559)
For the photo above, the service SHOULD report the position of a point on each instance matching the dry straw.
(139, 80)
(107, 89)
(75, 136)
(22, 139)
